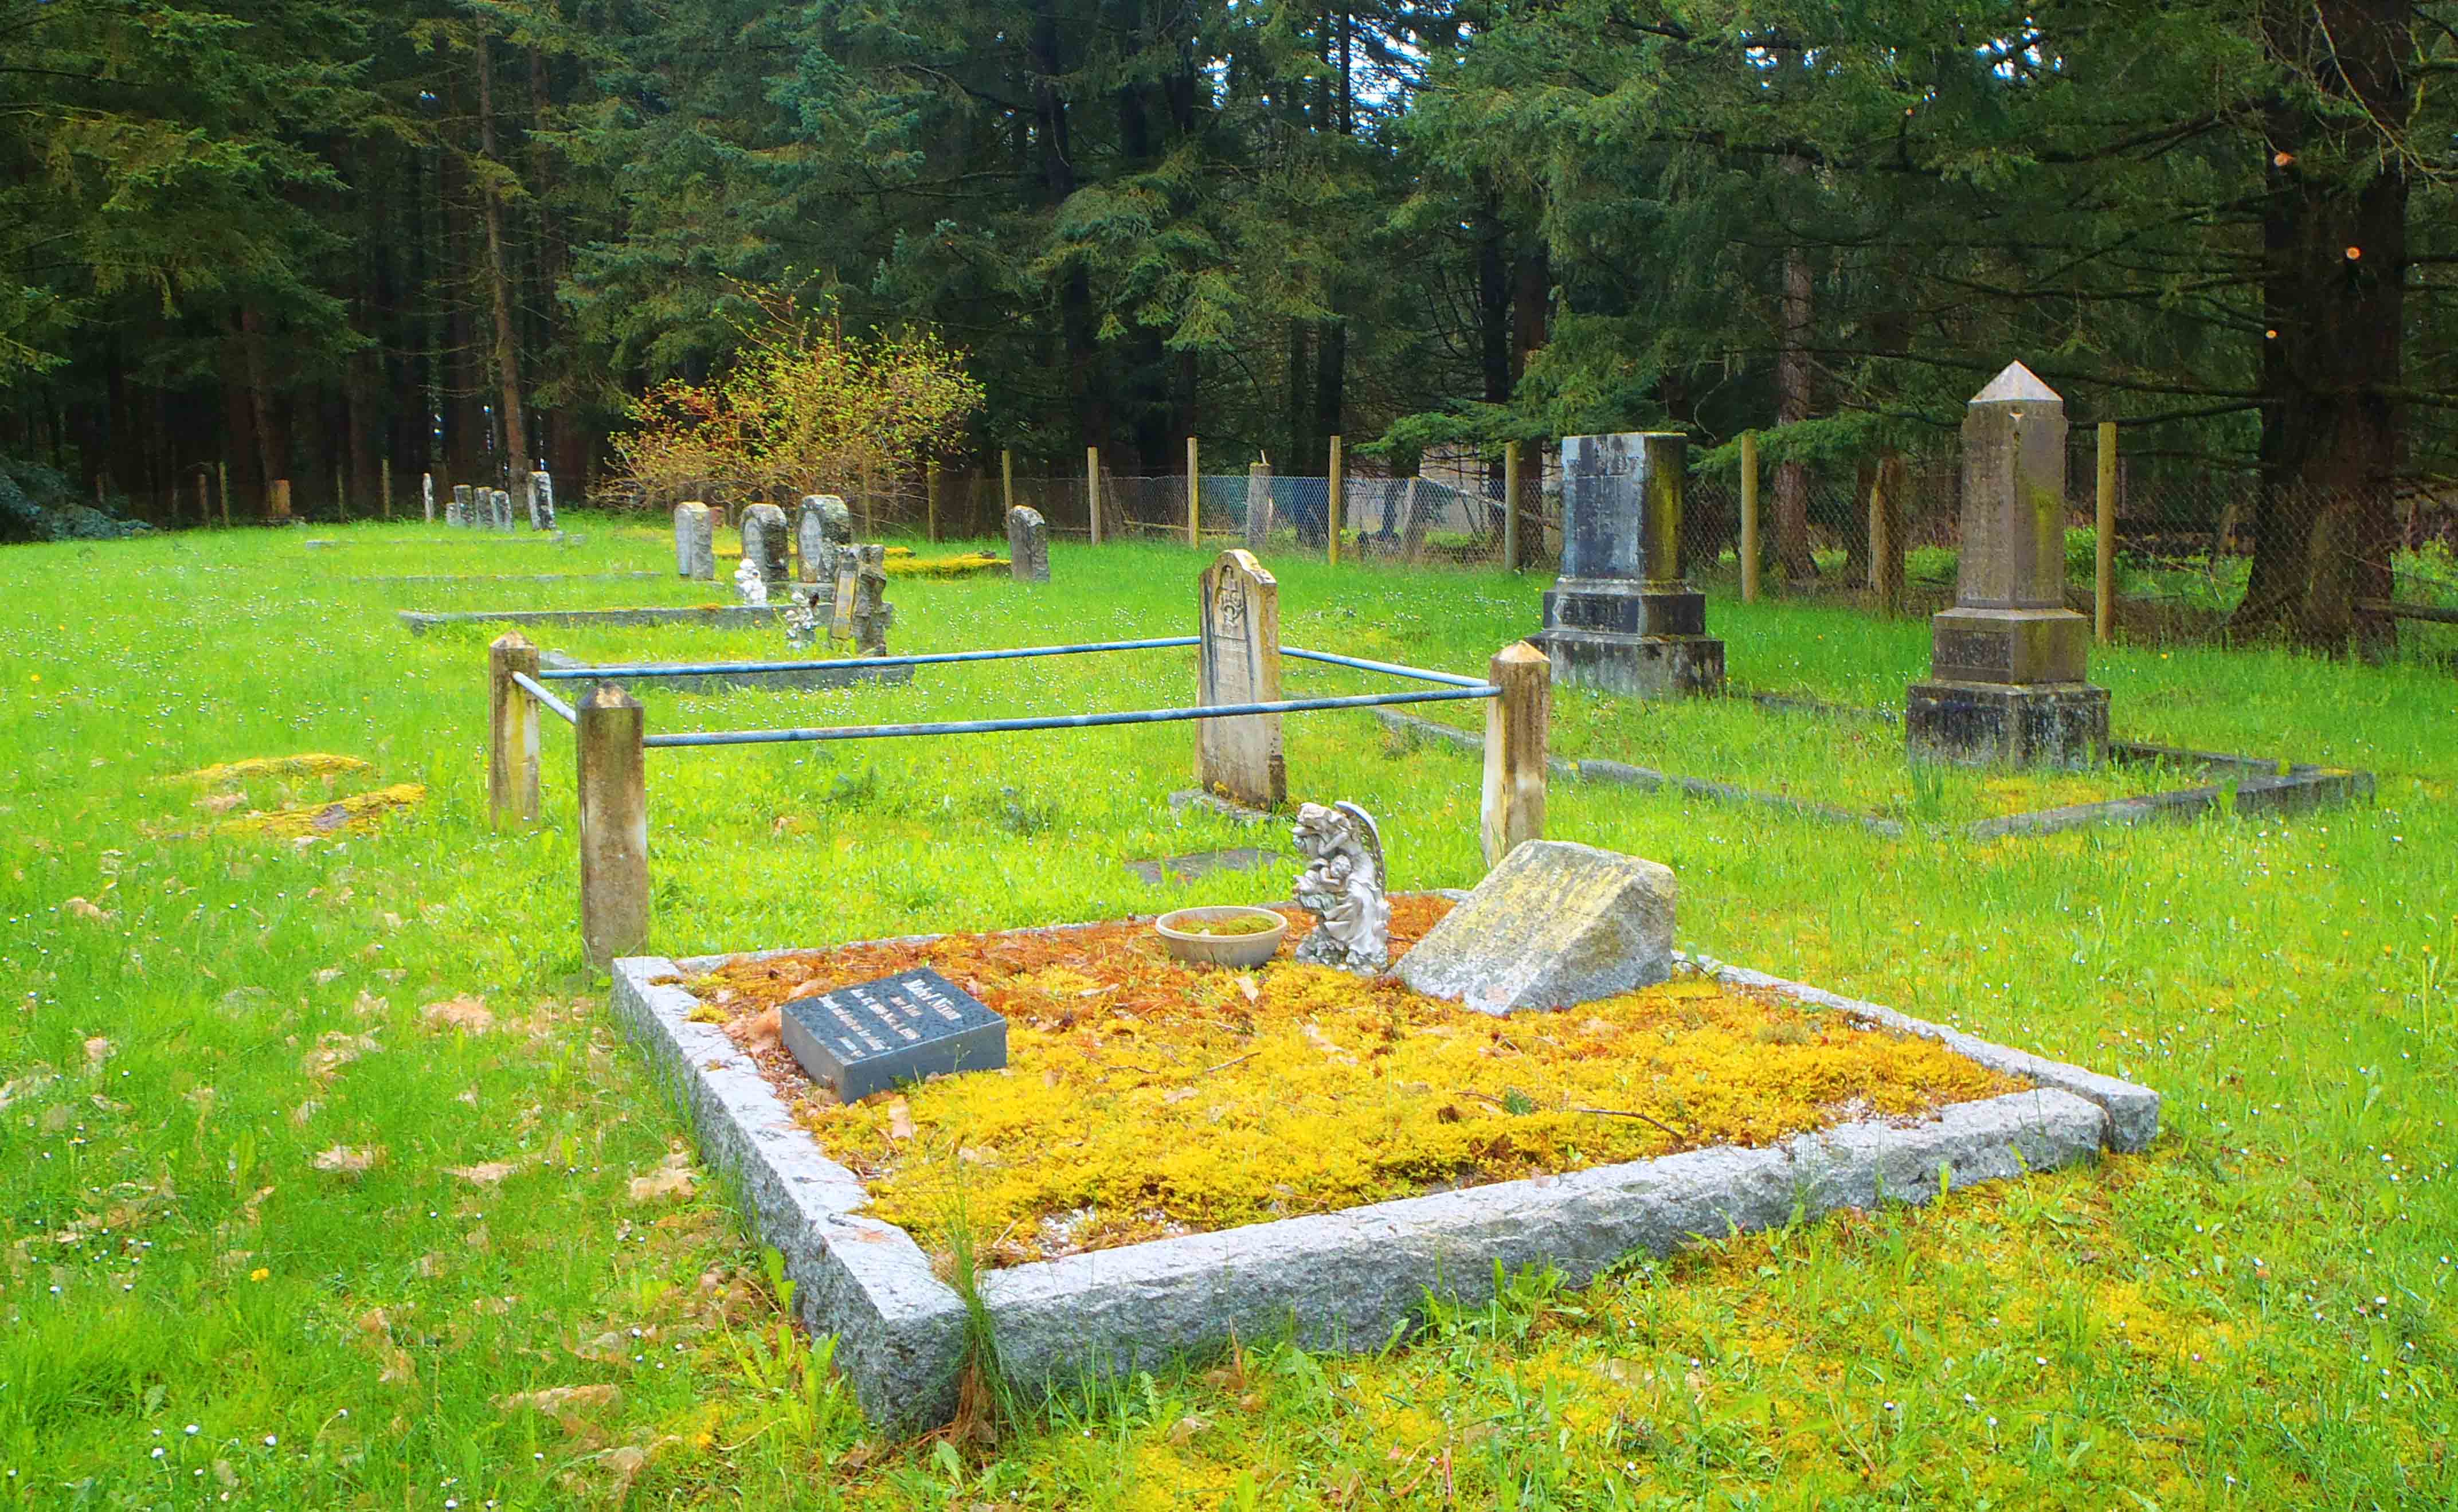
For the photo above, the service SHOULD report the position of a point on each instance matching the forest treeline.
(310, 238)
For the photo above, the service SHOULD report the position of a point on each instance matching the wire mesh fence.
(2196, 555)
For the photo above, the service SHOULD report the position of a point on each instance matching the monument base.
(2062, 724)
(1635, 666)
(2022, 646)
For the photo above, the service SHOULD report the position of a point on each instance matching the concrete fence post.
(613, 825)
(931, 500)
(511, 732)
(1516, 722)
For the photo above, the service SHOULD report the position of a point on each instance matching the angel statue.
(1343, 887)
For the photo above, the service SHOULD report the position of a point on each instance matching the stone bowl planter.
(1220, 950)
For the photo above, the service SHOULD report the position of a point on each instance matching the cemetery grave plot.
(1144, 1099)
(1849, 765)
(1168, 1160)
(299, 800)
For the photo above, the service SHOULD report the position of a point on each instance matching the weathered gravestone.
(824, 524)
(1028, 546)
(1622, 617)
(2007, 663)
(503, 498)
(1238, 661)
(541, 500)
(1259, 505)
(457, 513)
(860, 1040)
(427, 494)
(1555, 924)
(766, 545)
(695, 542)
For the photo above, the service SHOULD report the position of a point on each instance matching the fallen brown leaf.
(348, 1160)
(485, 1174)
(673, 1178)
(83, 909)
(900, 1119)
(556, 1400)
(465, 1013)
(97, 1051)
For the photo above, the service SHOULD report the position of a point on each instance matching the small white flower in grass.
(270, 1440)
(158, 1450)
(2039, 1359)
(191, 1430)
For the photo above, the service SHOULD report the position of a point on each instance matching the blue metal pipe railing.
(1079, 721)
(1446, 678)
(929, 659)
(529, 683)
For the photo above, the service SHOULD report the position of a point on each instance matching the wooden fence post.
(204, 500)
(1334, 498)
(277, 501)
(1511, 506)
(1092, 492)
(511, 732)
(222, 483)
(1194, 496)
(1516, 724)
(1007, 481)
(930, 500)
(1749, 516)
(2104, 566)
(613, 825)
(384, 484)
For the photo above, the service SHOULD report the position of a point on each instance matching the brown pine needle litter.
(1145, 1098)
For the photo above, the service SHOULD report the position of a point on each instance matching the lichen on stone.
(308, 764)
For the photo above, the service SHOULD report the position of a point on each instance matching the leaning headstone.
(695, 542)
(541, 500)
(1028, 546)
(1259, 505)
(766, 545)
(503, 498)
(824, 524)
(1238, 661)
(427, 494)
(458, 511)
(1556, 924)
(860, 1040)
(2008, 662)
(1621, 618)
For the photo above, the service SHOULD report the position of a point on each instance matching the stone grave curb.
(900, 1329)
(728, 681)
(2260, 787)
(510, 577)
(1343, 1281)
(723, 615)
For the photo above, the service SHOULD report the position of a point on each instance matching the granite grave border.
(1343, 1281)
(801, 677)
(2258, 787)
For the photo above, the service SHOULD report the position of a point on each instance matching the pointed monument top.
(2016, 383)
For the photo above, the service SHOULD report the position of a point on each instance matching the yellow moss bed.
(1145, 1098)
(964, 566)
(309, 764)
(359, 812)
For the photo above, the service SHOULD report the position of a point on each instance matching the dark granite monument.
(860, 1040)
(2007, 663)
(1622, 617)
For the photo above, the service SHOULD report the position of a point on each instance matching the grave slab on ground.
(839, 676)
(1339, 1280)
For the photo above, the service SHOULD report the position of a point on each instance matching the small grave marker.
(865, 1039)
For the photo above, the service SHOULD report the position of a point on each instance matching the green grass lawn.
(324, 1158)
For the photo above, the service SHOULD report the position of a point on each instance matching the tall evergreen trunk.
(2334, 246)
(1793, 403)
(270, 459)
(1531, 288)
(508, 356)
